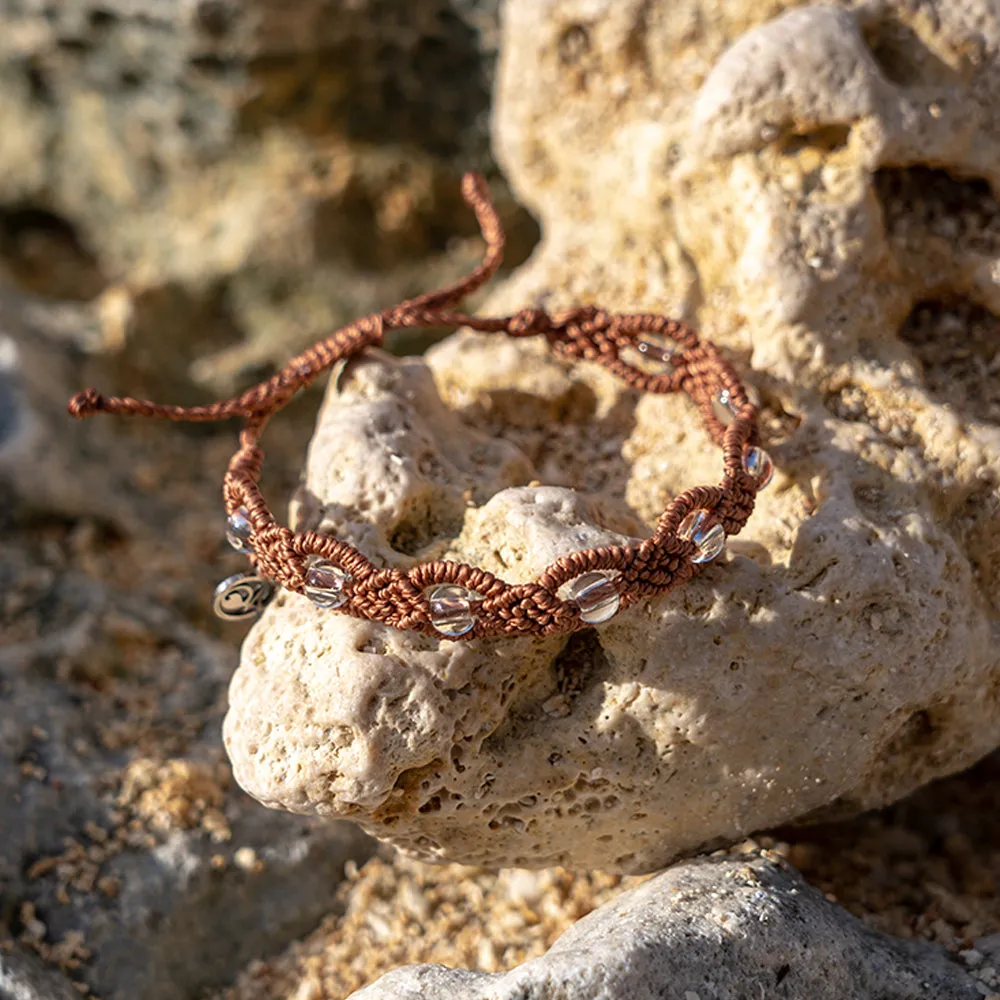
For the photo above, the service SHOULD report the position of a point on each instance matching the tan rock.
(788, 195)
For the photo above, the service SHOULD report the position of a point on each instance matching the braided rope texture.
(398, 598)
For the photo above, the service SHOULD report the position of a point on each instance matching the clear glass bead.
(325, 584)
(657, 348)
(451, 610)
(652, 354)
(596, 595)
(758, 463)
(724, 407)
(710, 539)
(239, 531)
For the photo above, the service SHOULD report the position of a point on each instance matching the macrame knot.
(85, 403)
(529, 322)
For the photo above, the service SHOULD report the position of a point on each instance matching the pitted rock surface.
(817, 208)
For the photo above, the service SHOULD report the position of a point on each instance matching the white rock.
(846, 650)
(710, 928)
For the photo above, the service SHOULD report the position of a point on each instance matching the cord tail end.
(85, 404)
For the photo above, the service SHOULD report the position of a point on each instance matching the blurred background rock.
(224, 182)
(190, 191)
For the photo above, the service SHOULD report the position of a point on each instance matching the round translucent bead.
(596, 595)
(710, 539)
(724, 407)
(451, 610)
(239, 530)
(758, 463)
(651, 355)
(325, 584)
(656, 348)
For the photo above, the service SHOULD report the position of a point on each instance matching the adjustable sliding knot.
(529, 323)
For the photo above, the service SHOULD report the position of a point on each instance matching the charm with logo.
(242, 596)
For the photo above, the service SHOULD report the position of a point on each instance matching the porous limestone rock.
(710, 928)
(807, 191)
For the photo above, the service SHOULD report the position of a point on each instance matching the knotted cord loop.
(438, 597)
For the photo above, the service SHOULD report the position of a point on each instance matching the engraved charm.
(242, 596)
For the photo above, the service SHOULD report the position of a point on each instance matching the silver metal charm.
(242, 596)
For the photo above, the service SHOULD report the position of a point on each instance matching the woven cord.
(399, 598)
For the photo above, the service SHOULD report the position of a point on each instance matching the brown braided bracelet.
(648, 351)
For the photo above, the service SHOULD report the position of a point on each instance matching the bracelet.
(648, 351)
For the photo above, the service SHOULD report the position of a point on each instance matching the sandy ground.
(926, 868)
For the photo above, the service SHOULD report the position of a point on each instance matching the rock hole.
(213, 17)
(100, 19)
(38, 86)
(828, 139)
(869, 498)
(371, 644)
(573, 45)
(408, 538)
(47, 255)
(958, 346)
(916, 731)
(902, 56)
(581, 663)
(429, 466)
(918, 201)
(429, 519)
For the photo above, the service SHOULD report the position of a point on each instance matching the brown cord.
(400, 598)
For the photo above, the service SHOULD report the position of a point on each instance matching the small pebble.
(245, 858)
